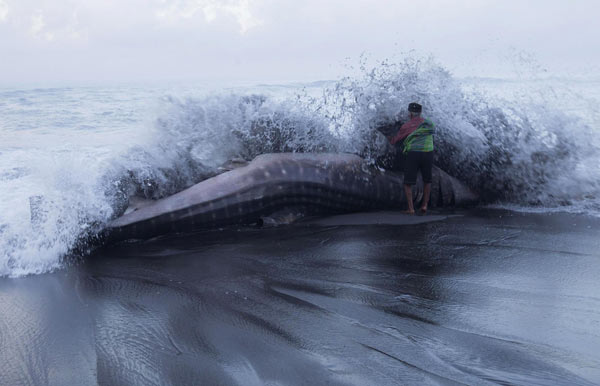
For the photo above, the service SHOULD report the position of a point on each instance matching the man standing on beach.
(416, 139)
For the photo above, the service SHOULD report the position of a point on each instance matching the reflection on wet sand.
(485, 298)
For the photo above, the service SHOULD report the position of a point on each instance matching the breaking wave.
(62, 182)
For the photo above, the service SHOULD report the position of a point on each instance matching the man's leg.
(409, 199)
(426, 193)
(426, 170)
(410, 178)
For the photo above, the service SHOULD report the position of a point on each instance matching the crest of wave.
(47, 210)
(61, 204)
(212, 130)
(525, 152)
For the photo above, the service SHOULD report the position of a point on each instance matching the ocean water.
(70, 157)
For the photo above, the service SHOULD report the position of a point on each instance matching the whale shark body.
(305, 182)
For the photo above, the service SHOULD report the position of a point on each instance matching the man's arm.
(407, 129)
(390, 130)
(399, 137)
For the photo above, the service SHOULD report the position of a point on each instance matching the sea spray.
(70, 188)
(71, 158)
(515, 151)
(217, 128)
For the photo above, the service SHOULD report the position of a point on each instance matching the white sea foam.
(71, 157)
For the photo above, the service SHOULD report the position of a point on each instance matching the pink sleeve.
(406, 129)
(400, 136)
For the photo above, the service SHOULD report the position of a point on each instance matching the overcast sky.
(285, 40)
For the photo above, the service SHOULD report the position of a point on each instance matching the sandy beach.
(480, 297)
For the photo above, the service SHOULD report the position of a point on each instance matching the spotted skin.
(316, 183)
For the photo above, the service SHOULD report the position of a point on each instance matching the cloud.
(43, 20)
(240, 10)
(3, 11)
(62, 27)
(37, 27)
(279, 40)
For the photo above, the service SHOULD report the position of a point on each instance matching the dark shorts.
(415, 161)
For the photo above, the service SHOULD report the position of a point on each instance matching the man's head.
(414, 109)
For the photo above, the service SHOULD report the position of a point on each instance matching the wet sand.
(485, 297)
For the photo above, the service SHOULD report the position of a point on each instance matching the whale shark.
(309, 183)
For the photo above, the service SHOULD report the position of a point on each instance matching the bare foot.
(409, 212)
(423, 210)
